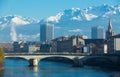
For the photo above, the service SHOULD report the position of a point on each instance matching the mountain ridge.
(74, 21)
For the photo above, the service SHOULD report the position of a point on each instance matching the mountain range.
(74, 21)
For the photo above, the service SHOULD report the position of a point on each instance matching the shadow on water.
(48, 64)
(56, 62)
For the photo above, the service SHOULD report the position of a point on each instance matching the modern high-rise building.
(46, 32)
(97, 32)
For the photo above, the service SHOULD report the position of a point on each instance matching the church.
(112, 40)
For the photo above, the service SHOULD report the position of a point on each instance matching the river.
(20, 68)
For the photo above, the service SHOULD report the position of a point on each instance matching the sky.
(41, 9)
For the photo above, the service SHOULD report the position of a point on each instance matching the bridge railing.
(53, 53)
(61, 53)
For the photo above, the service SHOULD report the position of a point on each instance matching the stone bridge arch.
(35, 59)
(97, 61)
(58, 59)
(17, 58)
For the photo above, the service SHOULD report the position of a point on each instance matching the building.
(16, 47)
(114, 44)
(46, 32)
(20, 46)
(45, 48)
(31, 48)
(110, 31)
(68, 44)
(24, 47)
(97, 32)
(110, 38)
(87, 49)
(96, 46)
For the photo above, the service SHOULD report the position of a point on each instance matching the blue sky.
(45, 8)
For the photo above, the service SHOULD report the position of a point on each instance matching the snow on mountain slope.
(13, 26)
(74, 21)
(84, 19)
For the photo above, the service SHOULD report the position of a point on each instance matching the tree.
(1, 56)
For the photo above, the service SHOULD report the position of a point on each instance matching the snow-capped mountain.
(14, 27)
(68, 22)
(79, 21)
(90, 13)
(74, 14)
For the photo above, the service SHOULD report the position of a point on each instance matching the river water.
(20, 68)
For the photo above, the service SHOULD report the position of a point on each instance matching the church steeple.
(110, 26)
(110, 31)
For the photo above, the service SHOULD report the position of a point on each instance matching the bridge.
(34, 58)
(78, 58)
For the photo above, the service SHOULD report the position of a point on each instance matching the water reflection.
(48, 64)
(51, 69)
(35, 69)
(115, 74)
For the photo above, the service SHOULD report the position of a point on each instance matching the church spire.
(110, 26)
(110, 31)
